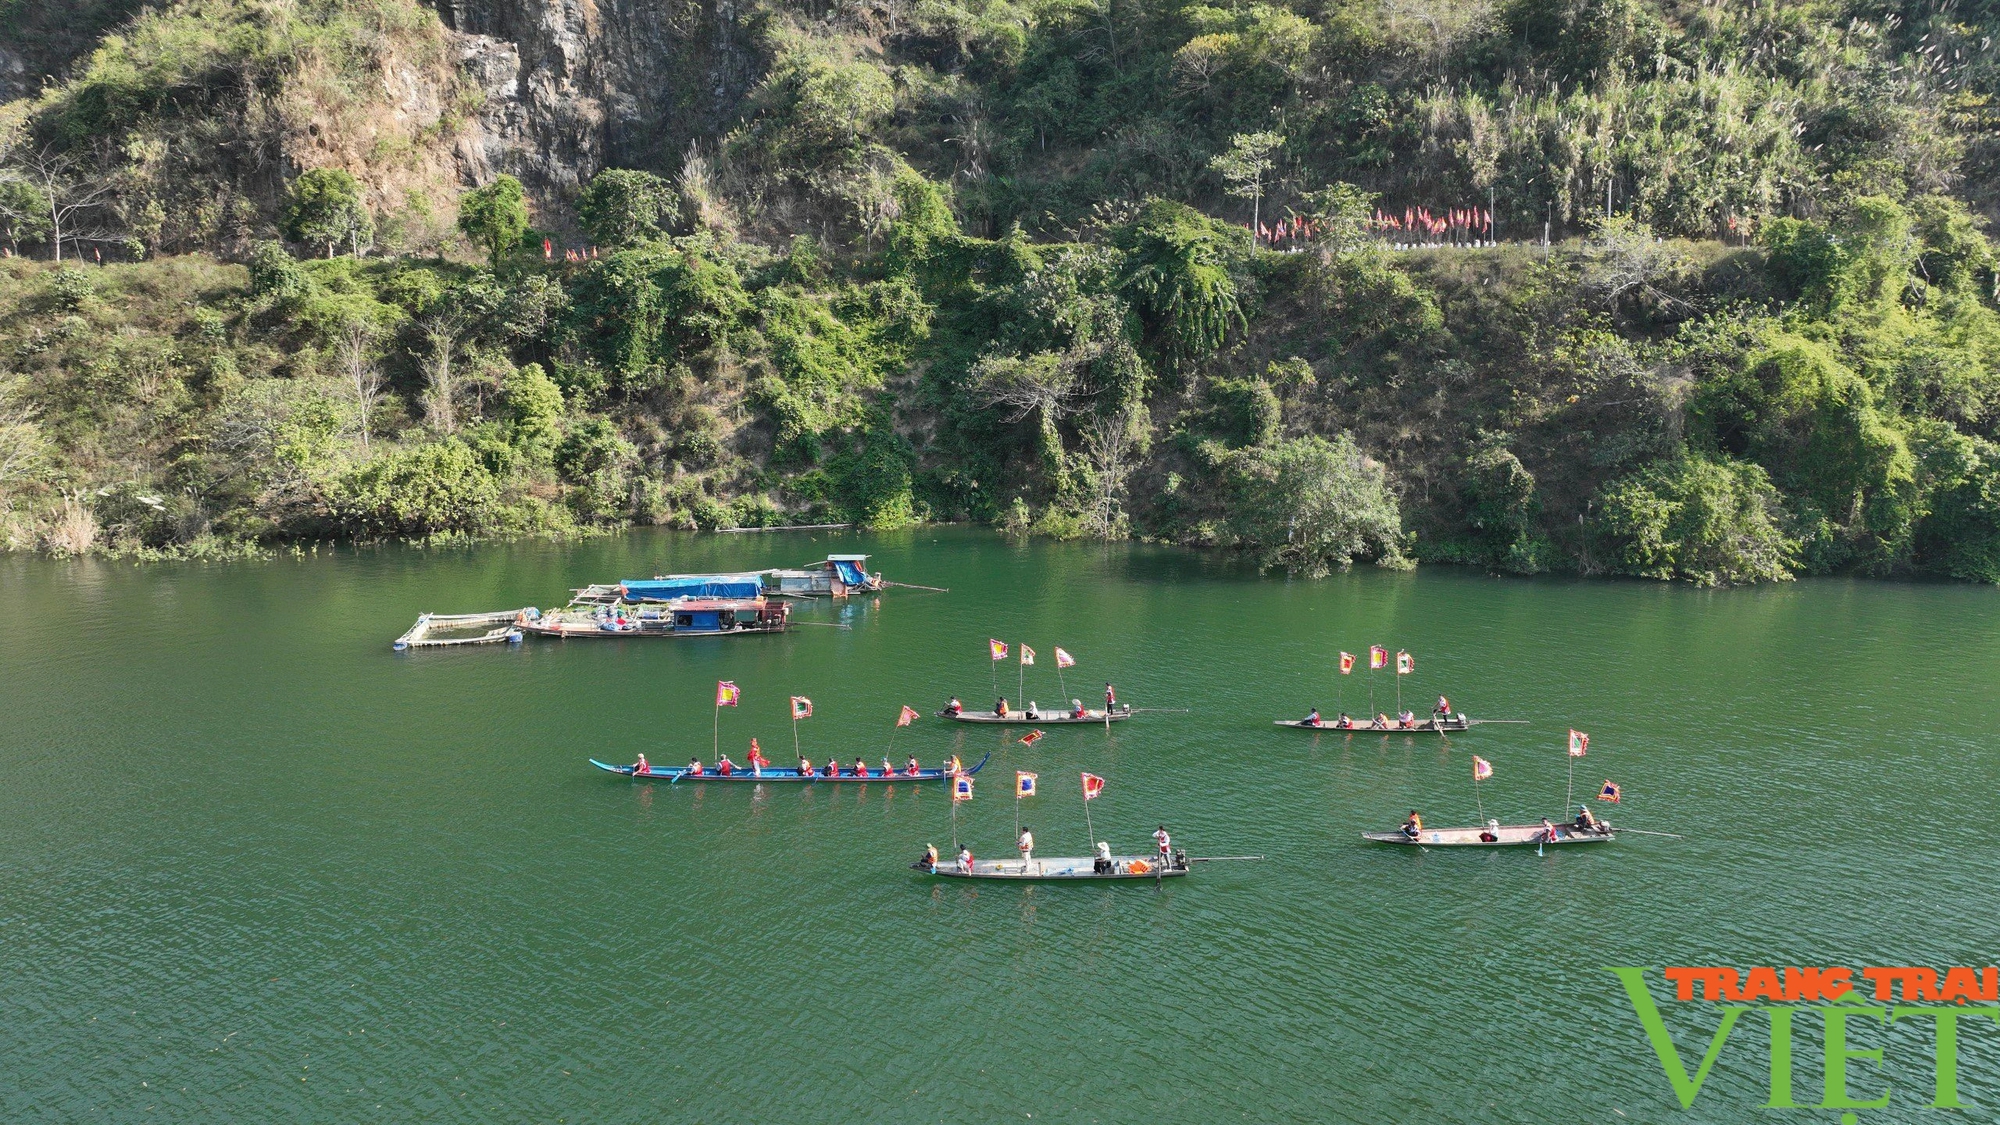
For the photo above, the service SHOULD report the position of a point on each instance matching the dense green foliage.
(999, 261)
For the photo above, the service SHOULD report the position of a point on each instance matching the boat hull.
(778, 777)
(1451, 726)
(1509, 836)
(1060, 869)
(1020, 719)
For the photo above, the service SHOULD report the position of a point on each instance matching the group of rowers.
(1586, 824)
(1101, 862)
(726, 768)
(1033, 712)
(1440, 715)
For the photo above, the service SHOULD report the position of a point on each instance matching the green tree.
(1246, 166)
(323, 208)
(1311, 505)
(624, 206)
(534, 411)
(1176, 271)
(495, 216)
(432, 488)
(1709, 521)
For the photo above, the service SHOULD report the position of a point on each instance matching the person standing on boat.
(1163, 841)
(1414, 827)
(964, 860)
(1110, 698)
(1027, 844)
(1443, 709)
(1313, 720)
(757, 759)
(725, 767)
(642, 768)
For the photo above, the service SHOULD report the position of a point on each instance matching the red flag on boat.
(1346, 663)
(1027, 655)
(727, 694)
(1092, 786)
(1609, 792)
(1481, 768)
(908, 716)
(1378, 657)
(1579, 743)
(802, 708)
(997, 648)
(961, 788)
(1032, 737)
(1063, 659)
(1405, 664)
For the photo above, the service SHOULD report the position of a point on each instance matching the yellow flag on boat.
(1063, 659)
(1027, 655)
(727, 694)
(1378, 657)
(1579, 743)
(1024, 784)
(997, 648)
(1481, 768)
(1405, 664)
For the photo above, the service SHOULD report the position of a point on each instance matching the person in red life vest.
(1313, 719)
(887, 769)
(965, 861)
(861, 767)
(1443, 708)
(910, 767)
(694, 767)
(725, 767)
(642, 768)
(757, 759)
(954, 708)
(1110, 698)
(805, 766)
(1163, 841)
(1076, 710)
(832, 768)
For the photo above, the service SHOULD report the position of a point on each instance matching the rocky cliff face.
(575, 85)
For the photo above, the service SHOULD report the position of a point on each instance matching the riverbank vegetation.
(1022, 264)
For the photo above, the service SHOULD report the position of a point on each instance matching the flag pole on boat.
(998, 651)
(726, 695)
(1405, 664)
(1092, 786)
(908, 716)
(1063, 660)
(1579, 744)
(1377, 657)
(1481, 770)
(1346, 670)
(802, 708)
(1021, 674)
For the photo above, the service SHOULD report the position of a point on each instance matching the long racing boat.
(1060, 868)
(1497, 836)
(677, 773)
(1432, 725)
(1020, 718)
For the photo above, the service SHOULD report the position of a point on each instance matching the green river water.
(256, 867)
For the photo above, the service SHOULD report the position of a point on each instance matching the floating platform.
(500, 626)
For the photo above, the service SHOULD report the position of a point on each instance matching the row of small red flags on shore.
(1469, 220)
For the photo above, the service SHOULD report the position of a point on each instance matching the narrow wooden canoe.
(776, 775)
(1019, 718)
(1059, 868)
(1420, 726)
(1509, 836)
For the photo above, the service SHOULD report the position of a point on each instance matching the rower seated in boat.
(953, 766)
(928, 861)
(1346, 721)
(832, 768)
(965, 860)
(694, 767)
(1382, 721)
(860, 767)
(1550, 833)
(1000, 707)
(1034, 712)
(725, 767)
(954, 708)
(910, 767)
(1409, 719)
(1414, 827)
(1490, 832)
(1585, 821)
(1102, 864)
(1076, 710)
(805, 766)
(642, 768)
(887, 769)
(1313, 719)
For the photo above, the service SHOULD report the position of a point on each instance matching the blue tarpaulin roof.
(693, 586)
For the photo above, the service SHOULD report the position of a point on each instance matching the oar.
(1155, 710)
(824, 624)
(914, 586)
(1643, 832)
(1476, 722)
(1220, 858)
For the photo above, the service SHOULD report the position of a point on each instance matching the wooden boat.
(686, 617)
(787, 775)
(1061, 868)
(1019, 718)
(1505, 836)
(1416, 726)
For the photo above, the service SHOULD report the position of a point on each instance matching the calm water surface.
(254, 866)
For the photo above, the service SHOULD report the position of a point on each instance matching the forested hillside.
(1648, 287)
